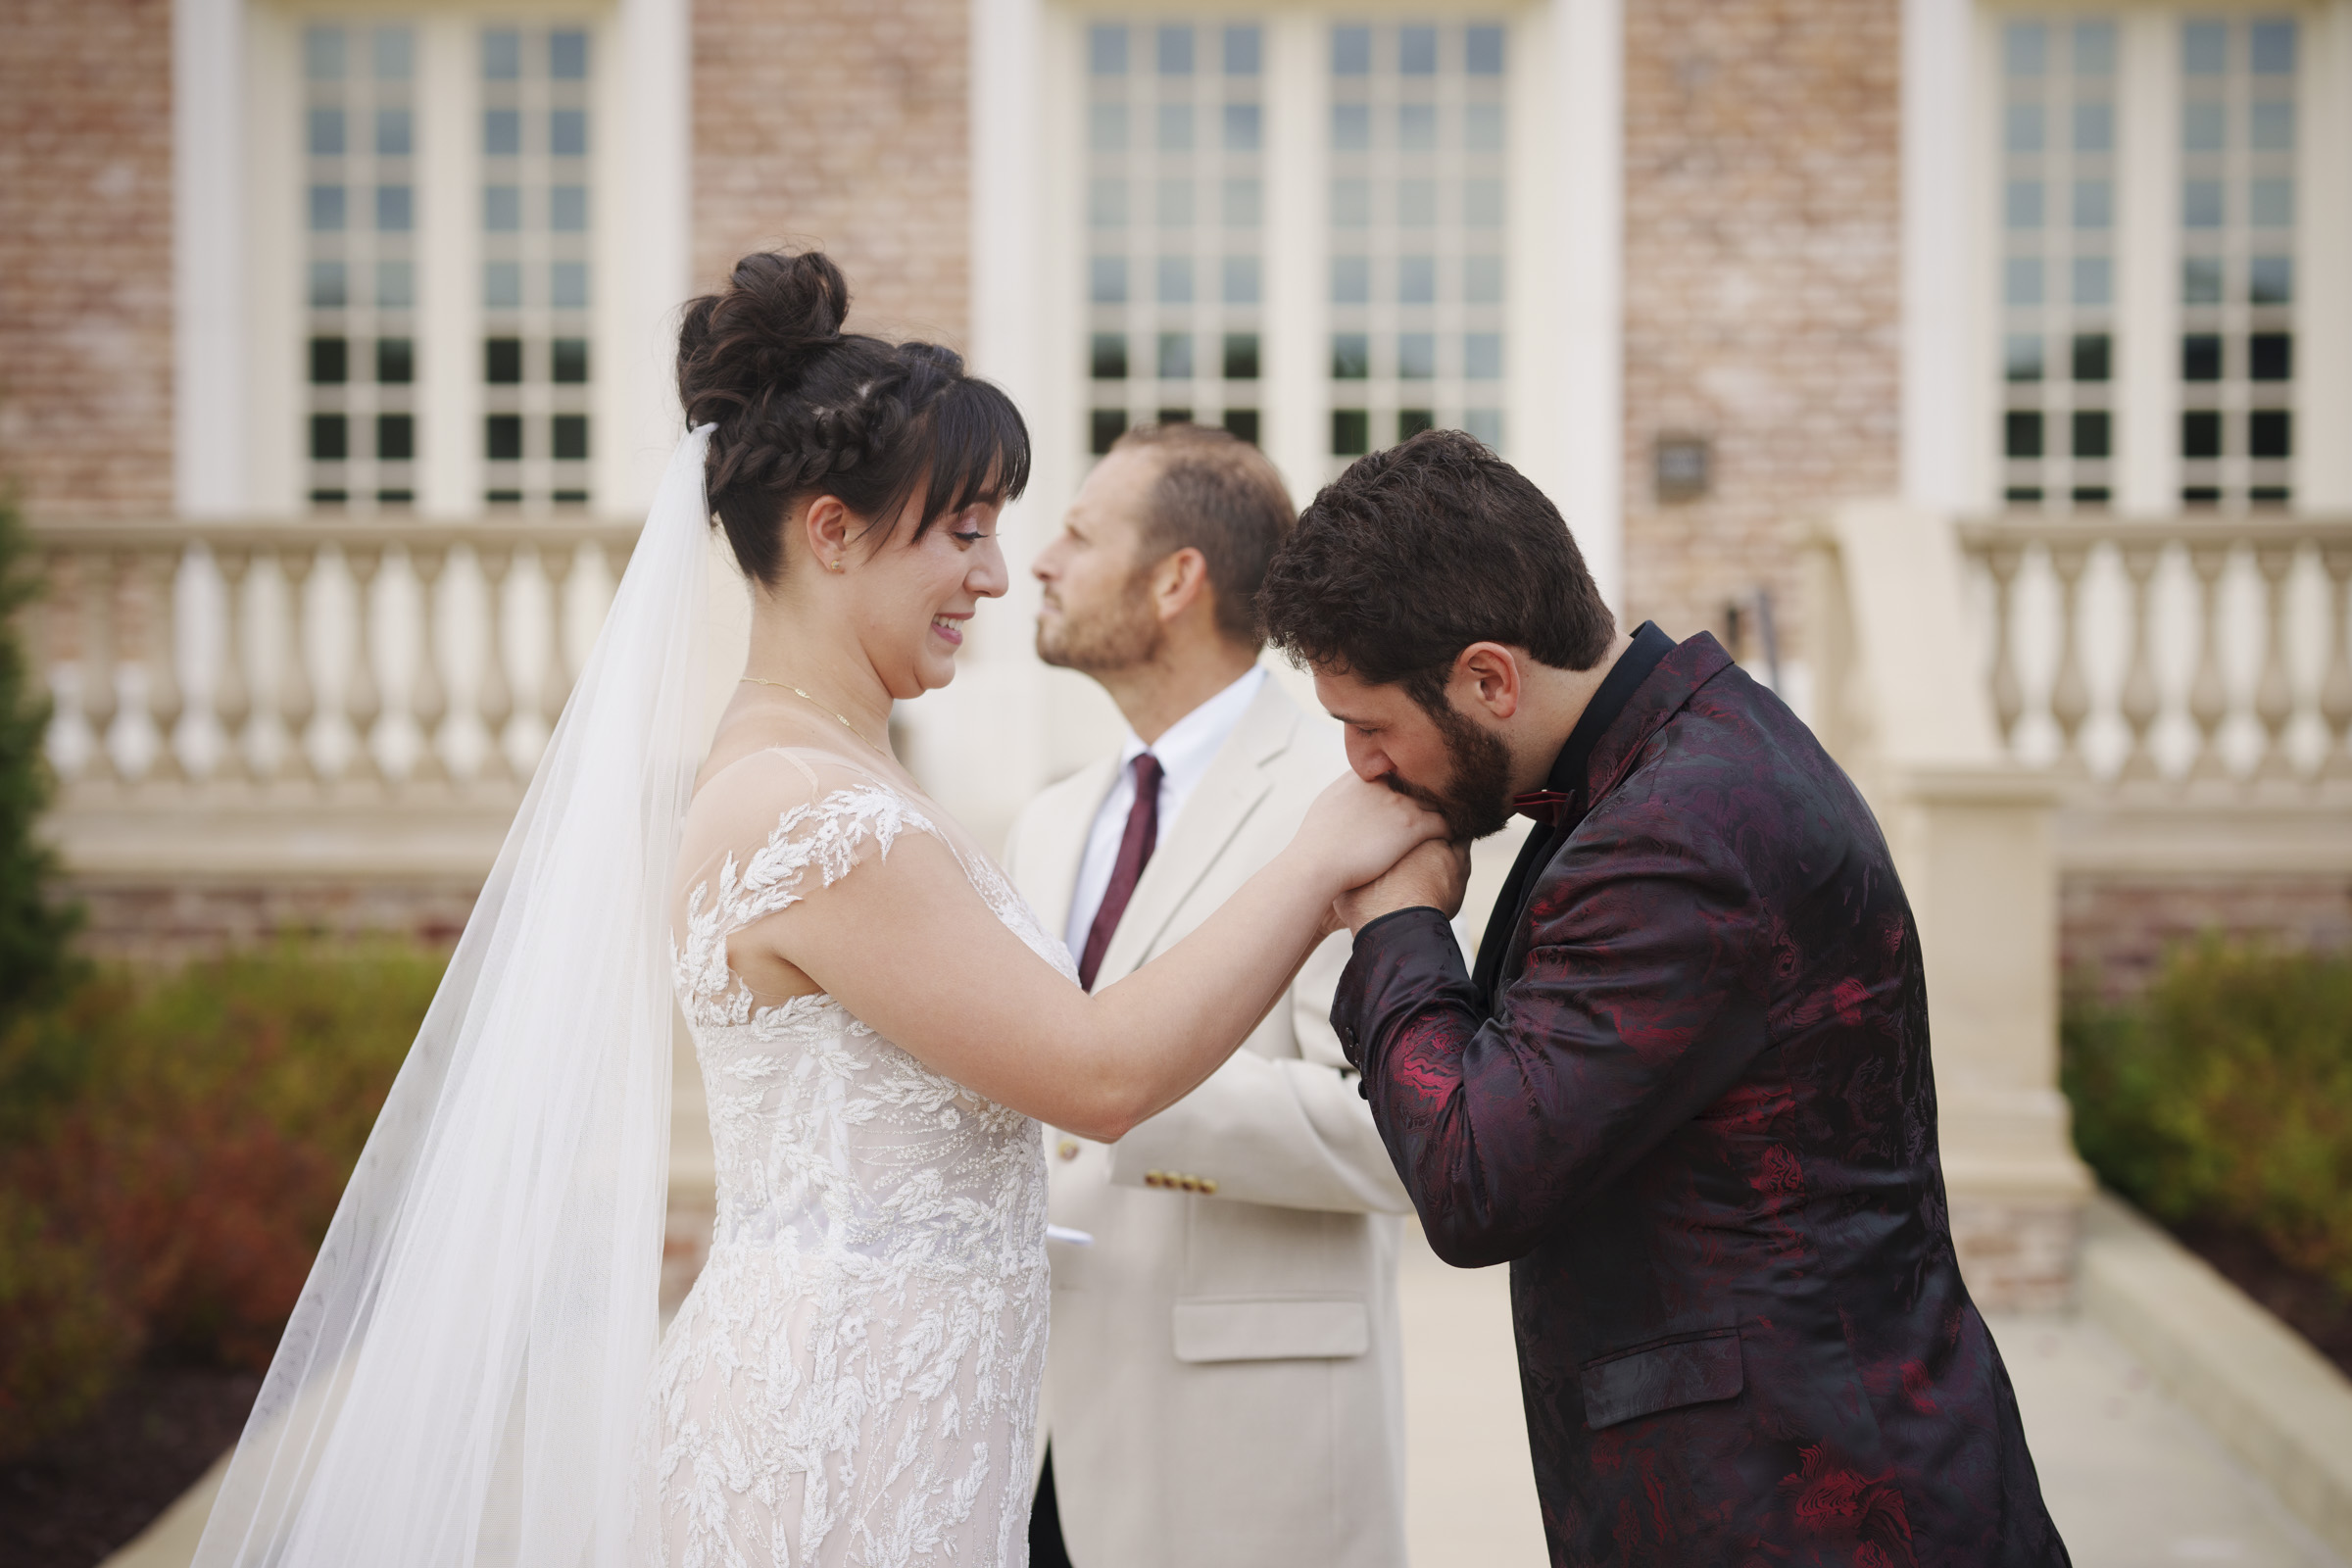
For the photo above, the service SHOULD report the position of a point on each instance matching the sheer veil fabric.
(463, 1377)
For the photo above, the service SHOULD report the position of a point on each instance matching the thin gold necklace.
(785, 685)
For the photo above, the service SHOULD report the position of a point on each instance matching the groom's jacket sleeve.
(1638, 1005)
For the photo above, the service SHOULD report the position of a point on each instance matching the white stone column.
(1946, 418)
(207, 258)
(645, 245)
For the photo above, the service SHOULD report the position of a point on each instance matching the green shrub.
(171, 1150)
(2225, 1095)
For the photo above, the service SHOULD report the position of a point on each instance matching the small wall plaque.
(1681, 467)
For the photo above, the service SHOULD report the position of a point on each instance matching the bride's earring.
(833, 566)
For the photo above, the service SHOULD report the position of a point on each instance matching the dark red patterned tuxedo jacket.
(1698, 1122)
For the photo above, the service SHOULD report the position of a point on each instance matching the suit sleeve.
(1642, 1002)
(1288, 1132)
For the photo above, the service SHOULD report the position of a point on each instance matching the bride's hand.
(1354, 831)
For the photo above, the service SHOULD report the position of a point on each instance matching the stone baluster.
(2008, 694)
(554, 676)
(71, 744)
(2069, 691)
(2139, 701)
(362, 691)
(428, 697)
(231, 690)
(2274, 690)
(494, 699)
(2335, 689)
(2208, 692)
(166, 690)
(297, 692)
(133, 742)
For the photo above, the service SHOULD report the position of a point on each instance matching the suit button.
(1068, 1148)
(1153, 1178)
(1208, 1186)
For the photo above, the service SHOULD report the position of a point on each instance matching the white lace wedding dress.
(853, 1381)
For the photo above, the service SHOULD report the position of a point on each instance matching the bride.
(880, 1021)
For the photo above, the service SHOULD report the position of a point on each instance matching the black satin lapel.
(1502, 921)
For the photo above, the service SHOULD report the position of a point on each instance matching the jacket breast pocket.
(1691, 1369)
(1271, 1328)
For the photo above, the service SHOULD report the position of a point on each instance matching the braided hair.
(804, 408)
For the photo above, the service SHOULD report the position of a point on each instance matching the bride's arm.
(908, 945)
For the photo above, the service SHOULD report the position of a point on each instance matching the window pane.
(1174, 206)
(1175, 128)
(1106, 426)
(329, 361)
(1241, 281)
(501, 208)
(1417, 51)
(1481, 128)
(502, 133)
(2200, 281)
(1482, 203)
(1417, 355)
(2201, 435)
(568, 132)
(1175, 281)
(1175, 357)
(323, 54)
(2201, 203)
(1410, 422)
(2272, 48)
(1482, 281)
(1481, 356)
(1175, 51)
(1417, 203)
(1243, 423)
(1107, 203)
(395, 133)
(1351, 433)
(2271, 357)
(567, 55)
(568, 285)
(502, 55)
(2022, 204)
(1486, 424)
(395, 437)
(326, 209)
(2270, 203)
(330, 437)
(1417, 127)
(2091, 433)
(1241, 358)
(1241, 204)
(1351, 203)
(395, 361)
(2094, 128)
(2024, 133)
(502, 361)
(395, 285)
(1242, 51)
(501, 285)
(1107, 279)
(1483, 51)
(2270, 281)
(1350, 51)
(1351, 356)
(2094, 48)
(325, 138)
(2204, 127)
(567, 209)
(2273, 127)
(2021, 357)
(1416, 279)
(2021, 434)
(2270, 433)
(1106, 359)
(502, 437)
(1350, 279)
(2092, 355)
(395, 208)
(570, 437)
(2201, 357)
(2094, 280)
(328, 289)
(2024, 48)
(2205, 48)
(1351, 126)
(2094, 204)
(1242, 125)
(1106, 128)
(2022, 280)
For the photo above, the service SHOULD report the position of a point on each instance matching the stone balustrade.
(309, 698)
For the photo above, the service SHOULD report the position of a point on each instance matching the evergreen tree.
(36, 961)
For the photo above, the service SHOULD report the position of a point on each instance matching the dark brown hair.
(1417, 551)
(1217, 493)
(804, 408)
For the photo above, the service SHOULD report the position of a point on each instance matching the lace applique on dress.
(854, 1377)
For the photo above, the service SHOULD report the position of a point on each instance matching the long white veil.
(462, 1380)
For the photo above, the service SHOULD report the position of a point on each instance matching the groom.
(1685, 1092)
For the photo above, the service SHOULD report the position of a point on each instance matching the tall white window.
(2237, 271)
(1417, 230)
(1175, 198)
(1393, 141)
(359, 213)
(535, 154)
(2058, 193)
(2209, 154)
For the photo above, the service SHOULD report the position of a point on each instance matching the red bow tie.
(1547, 807)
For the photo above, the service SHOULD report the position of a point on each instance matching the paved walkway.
(2133, 1482)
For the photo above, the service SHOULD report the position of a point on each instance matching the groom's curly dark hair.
(1417, 551)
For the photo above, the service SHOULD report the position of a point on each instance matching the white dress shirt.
(1185, 751)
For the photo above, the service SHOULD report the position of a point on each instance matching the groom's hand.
(1431, 875)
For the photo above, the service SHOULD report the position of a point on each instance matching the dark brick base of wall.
(2114, 930)
(171, 924)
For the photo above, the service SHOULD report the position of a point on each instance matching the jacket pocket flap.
(1635, 1383)
(1259, 1329)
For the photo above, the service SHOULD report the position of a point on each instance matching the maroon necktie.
(1135, 849)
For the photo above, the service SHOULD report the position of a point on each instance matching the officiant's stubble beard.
(1116, 637)
(1477, 799)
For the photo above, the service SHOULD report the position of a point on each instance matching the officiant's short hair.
(1415, 553)
(1219, 495)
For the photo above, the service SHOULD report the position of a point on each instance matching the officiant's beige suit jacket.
(1223, 1386)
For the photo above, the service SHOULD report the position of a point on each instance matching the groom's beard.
(1113, 638)
(1476, 799)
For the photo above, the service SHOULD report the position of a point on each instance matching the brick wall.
(841, 125)
(2118, 928)
(1761, 268)
(85, 255)
(173, 922)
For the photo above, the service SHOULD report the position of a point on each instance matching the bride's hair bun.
(804, 408)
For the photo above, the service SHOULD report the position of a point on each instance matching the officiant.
(1223, 1388)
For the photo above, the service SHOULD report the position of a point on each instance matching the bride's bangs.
(979, 451)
